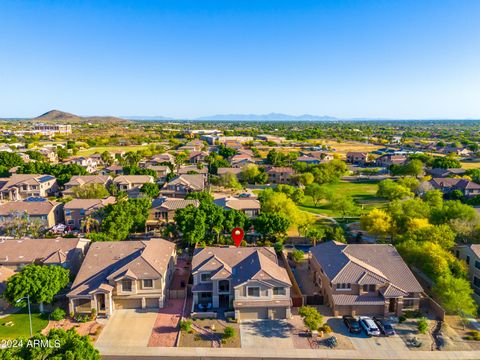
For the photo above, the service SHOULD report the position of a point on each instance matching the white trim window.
(147, 283)
(253, 291)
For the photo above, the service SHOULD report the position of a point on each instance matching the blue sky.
(396, 59)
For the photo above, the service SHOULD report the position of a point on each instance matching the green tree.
(377, 222)
(343, 204)
(271, 224)
(150, 189)
(40, 282)
(311, 317)
(71, 346)
(317, 193)
(90, 191)
(391, 190)
(446, 162)
(455, 295)
(191, 223)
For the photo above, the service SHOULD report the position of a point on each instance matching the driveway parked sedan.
(369, 326)
(352, 324)
(385, 328)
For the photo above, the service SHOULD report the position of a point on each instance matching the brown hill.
(61, 116)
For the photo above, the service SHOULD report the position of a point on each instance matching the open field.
(21, 325)
(470, 164)
(101, 149)
(344, 147)
(364, 194)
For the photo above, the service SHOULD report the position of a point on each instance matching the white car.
(369, 326)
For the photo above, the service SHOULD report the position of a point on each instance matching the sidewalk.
(226, 353)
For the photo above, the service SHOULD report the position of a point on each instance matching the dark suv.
(352, 324)
(385, 327)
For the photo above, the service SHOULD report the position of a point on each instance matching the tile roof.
(147, 259)
(33, 208)
(243, 263)
(79, 180)
(31, 250)
(346, 299)
(87, 204)
(133, 179)
(194, 181)
(173, 203)
(344, 263)
(238, 204)
(30, 179)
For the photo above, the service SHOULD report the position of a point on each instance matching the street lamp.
(29, 312)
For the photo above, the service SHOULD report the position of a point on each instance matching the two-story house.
(447, 185)
(82, 180)
(123, 275)
(16, 254)
(90, 164)
(470, 253)
(364, 279)
(280, 175)
(21, 186)
(358, 158)
(48, 213)
(76, 210)
(132, 184)
(247, 279)
(181, 185)
(163, 211)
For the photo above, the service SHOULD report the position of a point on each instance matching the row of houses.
(250, 281)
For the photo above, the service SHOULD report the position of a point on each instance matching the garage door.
(152, 303)
(253, 313)
(279, 313)
(128, 304)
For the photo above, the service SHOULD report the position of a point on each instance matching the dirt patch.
(407, 331)
(215, 326)
(90, 328)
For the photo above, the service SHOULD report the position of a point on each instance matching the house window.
(82, 212)
(408, 303)
(343, 286)
(148, 283)
(476, 282)
(279, 291)
(205, 277)
(68, 212)
(253, 291)
(468, 260)
(477, 264)
(369, 288)
(126, 285)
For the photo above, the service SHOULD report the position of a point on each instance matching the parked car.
(352, 324)
(385, 328)
(369, 326)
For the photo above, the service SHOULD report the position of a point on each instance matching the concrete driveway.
(363, 342)
(127, 328)
(266, 334)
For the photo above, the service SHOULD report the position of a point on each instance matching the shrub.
(297, 255)
(473, 335)
(57, 314)
(326, 329)
(186, 325)
(228, 332)
(422, 325)
(93, 314)
(402, 318)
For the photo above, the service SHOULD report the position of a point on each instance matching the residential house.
(163, 211)
(82, 180)
(16, 254)
(247, 279)
(90, 164)
(192, 169)
(470, 253)
(49, 213)
(443, 173)
(250, 207)
(280, 175)
(123, 275)
(358, 158)
(196, 157)
(132, 184)
(234, 171)
(447, 185)
(76, 210)
(364, 279)
(113, 169)
(240, 160)
(21, 186)
(181, 185)
(388, 160)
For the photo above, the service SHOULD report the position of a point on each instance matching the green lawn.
(101, 149)
(21, 326)
(364, 194)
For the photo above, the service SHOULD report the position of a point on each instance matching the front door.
(392, 305)
(100, 302)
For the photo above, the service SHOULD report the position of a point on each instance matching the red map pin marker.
(237, 236)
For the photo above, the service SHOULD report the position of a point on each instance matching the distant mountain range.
(61, 116)
(242, 117)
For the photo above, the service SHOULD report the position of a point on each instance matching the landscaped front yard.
(210, 333)
(18, 325)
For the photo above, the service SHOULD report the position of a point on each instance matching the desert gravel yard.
(202, 334)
